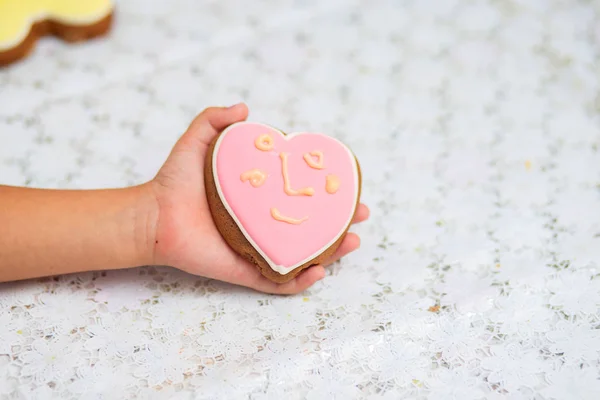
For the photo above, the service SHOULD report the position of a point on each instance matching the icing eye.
(264, 142)
(332, 183)
(310, 159)
(255, 176)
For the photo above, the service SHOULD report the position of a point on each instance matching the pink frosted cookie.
(283, 202)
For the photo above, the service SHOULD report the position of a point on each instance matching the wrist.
(146, 219)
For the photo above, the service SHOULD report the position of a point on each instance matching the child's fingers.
(213, 120)
(306, 278)
(362, 214)
(350, 243)
(245, 274)
(303, 281)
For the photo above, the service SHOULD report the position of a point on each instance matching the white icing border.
(280, 268)
(71, 20)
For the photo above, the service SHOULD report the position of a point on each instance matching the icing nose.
(287, 186)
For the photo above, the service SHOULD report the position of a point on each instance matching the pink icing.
(285, 246)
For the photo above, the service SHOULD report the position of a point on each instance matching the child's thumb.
(213, 120)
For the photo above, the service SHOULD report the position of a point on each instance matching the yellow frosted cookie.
(22, 22)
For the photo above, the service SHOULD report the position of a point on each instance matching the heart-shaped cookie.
(284, 202)
(22, 22)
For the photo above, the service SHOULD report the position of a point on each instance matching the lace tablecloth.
(476, 125)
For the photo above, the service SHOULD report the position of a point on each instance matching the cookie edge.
(236, 239)
(67, 32)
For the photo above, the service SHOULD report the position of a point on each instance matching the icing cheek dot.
(310, 159)
(255, 176)
(332, 183)
(264, 142)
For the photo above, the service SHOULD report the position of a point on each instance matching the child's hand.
(166, 221)
(185, 235)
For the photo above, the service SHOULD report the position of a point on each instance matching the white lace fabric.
(476, 126)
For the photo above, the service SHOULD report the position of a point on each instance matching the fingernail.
(233, 106)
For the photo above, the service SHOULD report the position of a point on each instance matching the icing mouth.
(283, 218)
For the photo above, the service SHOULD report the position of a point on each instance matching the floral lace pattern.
(476, 125)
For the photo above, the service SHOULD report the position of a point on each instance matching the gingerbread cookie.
(283, 202)
(22, 22)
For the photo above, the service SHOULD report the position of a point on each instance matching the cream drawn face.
(290, 195)
(313, 159)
